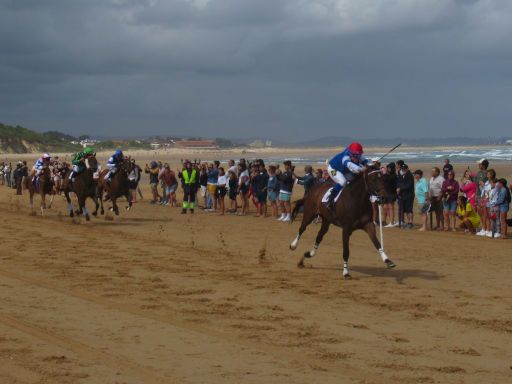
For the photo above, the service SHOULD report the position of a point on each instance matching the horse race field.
(158, 297)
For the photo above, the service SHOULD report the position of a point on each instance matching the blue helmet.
(118, 153)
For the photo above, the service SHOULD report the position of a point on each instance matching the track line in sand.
(277, 352)
(117, 363)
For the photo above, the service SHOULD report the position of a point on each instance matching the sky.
(283, 69)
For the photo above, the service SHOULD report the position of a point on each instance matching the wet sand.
(154, 296)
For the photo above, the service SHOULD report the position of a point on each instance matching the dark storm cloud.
(253, 68)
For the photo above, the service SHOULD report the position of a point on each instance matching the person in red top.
(450, 194)
(168, 177)
(469, 188)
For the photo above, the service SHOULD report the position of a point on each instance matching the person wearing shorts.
(272, 189)
(450, 193)
(286, 182)
(421, 192)
(221, 189)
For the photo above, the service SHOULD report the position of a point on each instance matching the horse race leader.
(343, 167)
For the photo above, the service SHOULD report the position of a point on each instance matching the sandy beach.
(153, 296)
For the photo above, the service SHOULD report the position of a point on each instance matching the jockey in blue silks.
(112, 163)
(344, 167)
(41, 163)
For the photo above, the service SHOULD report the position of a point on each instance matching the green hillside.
(23, 140)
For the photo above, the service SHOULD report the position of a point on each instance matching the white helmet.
(46, 156)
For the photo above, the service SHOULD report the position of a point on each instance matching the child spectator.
(243, 187)
(469, 187)
(286, 182)
(272, 189)
(493, 209)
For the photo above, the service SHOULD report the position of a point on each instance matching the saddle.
(327, 193)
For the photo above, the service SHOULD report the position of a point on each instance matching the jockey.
(344, 167)
(78, 161)
(41, 163)
(112, 164)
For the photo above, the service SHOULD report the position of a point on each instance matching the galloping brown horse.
(352, 211)
(84, 186)
(44, 187)
(118, 187)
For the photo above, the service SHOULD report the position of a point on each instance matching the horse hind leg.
(370, 230)
(319, 237)
(346, 253)
(307, 218)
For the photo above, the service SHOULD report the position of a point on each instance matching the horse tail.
(298, 205)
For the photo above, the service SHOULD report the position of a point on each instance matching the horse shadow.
(400, 275)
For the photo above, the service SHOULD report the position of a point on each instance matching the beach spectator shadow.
(400, 275)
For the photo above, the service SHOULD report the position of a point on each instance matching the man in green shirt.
(78, 161)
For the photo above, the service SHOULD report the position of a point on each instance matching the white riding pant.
(337, 176)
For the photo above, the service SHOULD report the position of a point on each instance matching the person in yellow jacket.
(189, 182)
(469, 219)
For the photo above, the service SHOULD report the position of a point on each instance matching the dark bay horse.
(84, 186)
(118, 187)
(44, 187)
(353, 211)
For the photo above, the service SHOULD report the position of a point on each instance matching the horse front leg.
(306, 220)
(346, 252)
(70, 204)
(51, 200)
(115, 208)
(323, 230)
(370, 230)
(43, 203)
(96, 204)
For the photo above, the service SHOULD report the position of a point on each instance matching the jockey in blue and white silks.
(112, 164)
(41, 163)
(344, 167)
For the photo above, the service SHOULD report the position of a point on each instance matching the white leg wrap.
(313, 251)
(295, 242)
(345, 269)
(383, 254)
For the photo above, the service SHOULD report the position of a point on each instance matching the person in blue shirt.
(344, 167)
(112, 164)
(41, 163)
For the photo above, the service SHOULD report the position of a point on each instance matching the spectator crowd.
(477, 203)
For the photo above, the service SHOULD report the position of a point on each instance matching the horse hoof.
(87, 218)
(102, 212)
(71, 214)
(117, 213)
(307, 255)
(390, 264)
(300, 264)
(347, 276)
(293, 248)
(95, 214)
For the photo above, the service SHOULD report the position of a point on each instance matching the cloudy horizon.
(268, 68)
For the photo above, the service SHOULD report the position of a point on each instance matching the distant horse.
(352, 211)
(84, 186)
(119, 186)
(42, 185)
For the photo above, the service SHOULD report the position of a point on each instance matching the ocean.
(419, 156)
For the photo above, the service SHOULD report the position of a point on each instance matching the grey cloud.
(269, 67)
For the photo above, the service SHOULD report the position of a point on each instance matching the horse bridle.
(371, 193)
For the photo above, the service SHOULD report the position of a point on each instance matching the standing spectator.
(134, 179)
(24, 175)
(189, 183)
(405, 191)
(469, 219)
(493, 209)
(469, 188)
(17, 177)
(421, 190)
(436, 196)
(308, 180)
(447, 167)
(286, 182)
(390, 179)
(153, 171)
(203, 183)
(222, 182)
(7, 173)
(480, 179)
(273, 189)
(450, 192)
(500, 207)
(319, 175)
(232, 167)
(262, 191)
(243, 186)
(168, 177)
(233, 190)
(211, 185)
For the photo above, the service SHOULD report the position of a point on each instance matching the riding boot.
(330, 202)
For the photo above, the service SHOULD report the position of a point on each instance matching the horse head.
(91, 163)
(375, 182)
